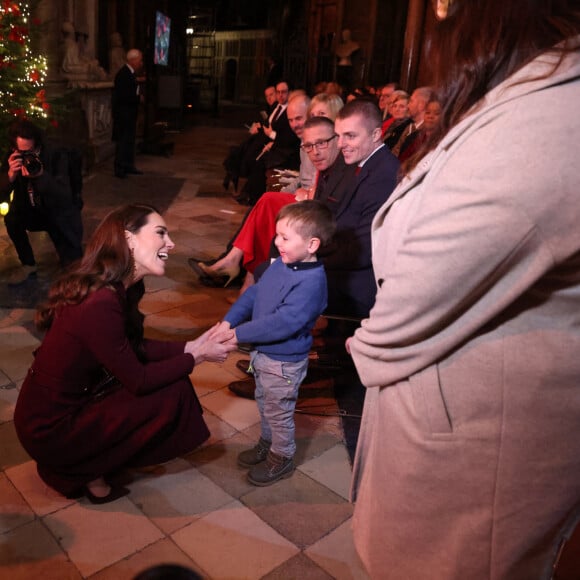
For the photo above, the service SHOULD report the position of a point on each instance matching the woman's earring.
(441, 8)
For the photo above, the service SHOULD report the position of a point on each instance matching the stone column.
(413, 43)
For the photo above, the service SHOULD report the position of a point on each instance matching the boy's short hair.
(311, 219)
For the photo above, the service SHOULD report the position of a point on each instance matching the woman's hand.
(302, 193)
(213, 345)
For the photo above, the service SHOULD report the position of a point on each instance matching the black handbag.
(107, 384)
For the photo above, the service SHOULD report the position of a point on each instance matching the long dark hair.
(107, 262)
(483, 42)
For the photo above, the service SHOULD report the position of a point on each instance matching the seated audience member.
(333, 88)
(280, 150)
(325, 105)
(398, 109)
(417, 103)
(99, 397)
(251, 245)
(385, 93)
(416, 140)
(46, 197)
(255, 142)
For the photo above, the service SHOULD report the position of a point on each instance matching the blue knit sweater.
(277, 313)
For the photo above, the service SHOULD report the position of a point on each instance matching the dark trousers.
(64, 228)
(125, 149)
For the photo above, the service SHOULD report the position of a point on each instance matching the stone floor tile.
(336, 554)
(219, 463)
(17, 346)
(8, 396)
(175, 323)
(159, 300)
(179, 496)
(95, 537)
(238, 412)
(32, 552)
(331, 469)
(219, 430)
(314, 435)
(39, 496)
(298, 567)
(210, 377)
(299, 508)
(11, 452)
(161, 552)
(14, 511)
(233, 542)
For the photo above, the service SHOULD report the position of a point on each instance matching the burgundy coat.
(152, 417)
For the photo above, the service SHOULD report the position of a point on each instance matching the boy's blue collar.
(304, 265)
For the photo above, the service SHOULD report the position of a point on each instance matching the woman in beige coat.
(468, 464)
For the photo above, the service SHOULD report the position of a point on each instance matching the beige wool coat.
(468, 462)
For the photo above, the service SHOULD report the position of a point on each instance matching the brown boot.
(275, 468)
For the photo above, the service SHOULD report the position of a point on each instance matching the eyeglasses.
(319, 145)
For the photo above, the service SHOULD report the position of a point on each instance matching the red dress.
(260, 227)
(152, 417)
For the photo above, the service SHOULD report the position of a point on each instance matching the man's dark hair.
(25, 130)
(368, 110)
(311, 219)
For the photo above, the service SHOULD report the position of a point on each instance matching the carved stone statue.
(75, 66)
(116, 54)
(345, 51)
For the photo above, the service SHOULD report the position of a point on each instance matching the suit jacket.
(125, 101)
(354, 200)
(286, 149)
(467, 462)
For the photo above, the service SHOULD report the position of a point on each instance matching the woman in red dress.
(99, 397)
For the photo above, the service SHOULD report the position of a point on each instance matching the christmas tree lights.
(22, 72)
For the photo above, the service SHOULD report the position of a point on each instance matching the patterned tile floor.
(198, 510)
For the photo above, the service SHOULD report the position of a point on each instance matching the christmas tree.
(22, 72)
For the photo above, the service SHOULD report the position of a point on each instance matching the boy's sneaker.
(275, 468)
(256, 455)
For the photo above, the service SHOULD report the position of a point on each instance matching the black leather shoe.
(244, 388)
(120, 175)
(134, 171)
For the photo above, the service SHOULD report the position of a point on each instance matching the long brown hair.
(107, 262)
(483, 42)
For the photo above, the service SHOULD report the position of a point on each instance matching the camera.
(32, 162)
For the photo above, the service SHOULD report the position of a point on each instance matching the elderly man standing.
(126, 99)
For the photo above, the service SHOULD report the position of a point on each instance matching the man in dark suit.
(279, 147)
(354, 203)
(125, 105)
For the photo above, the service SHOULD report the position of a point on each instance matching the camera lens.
(32, 163)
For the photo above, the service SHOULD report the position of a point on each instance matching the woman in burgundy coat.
(99, 397)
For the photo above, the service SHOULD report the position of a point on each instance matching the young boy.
(276, 316)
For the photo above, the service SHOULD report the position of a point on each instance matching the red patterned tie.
(357, 170)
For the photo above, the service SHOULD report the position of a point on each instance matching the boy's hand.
(347, 344)
(218, 328)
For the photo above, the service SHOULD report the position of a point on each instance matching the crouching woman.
(99, 397)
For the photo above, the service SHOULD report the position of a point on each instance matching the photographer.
(45, 198)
